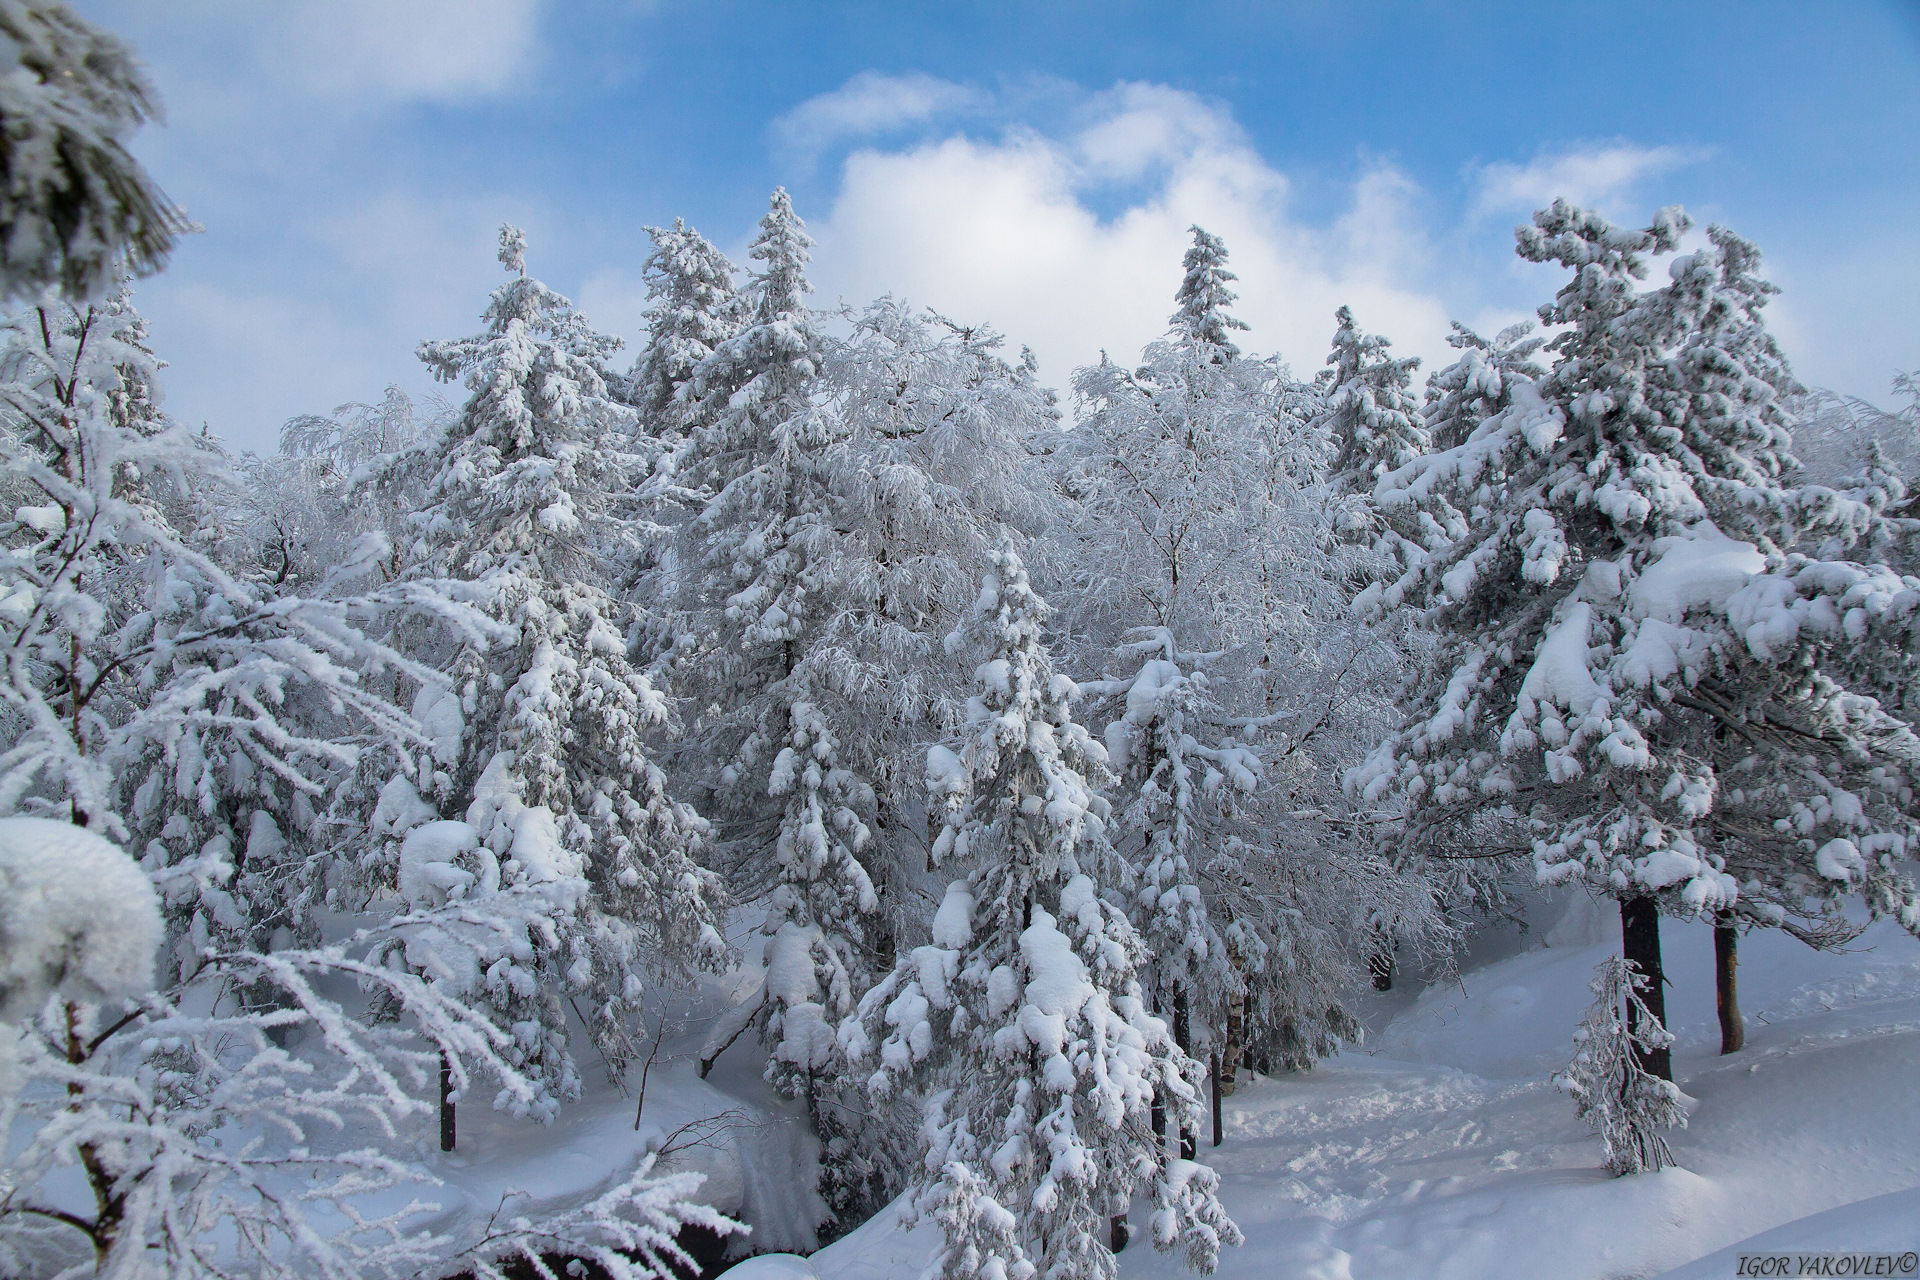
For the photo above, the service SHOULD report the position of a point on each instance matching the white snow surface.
(78, 917)
(1701, 570)
(1440, 1149)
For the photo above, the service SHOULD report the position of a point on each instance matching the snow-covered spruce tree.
(1371, 414)
(831, 564)
(77, 210)
(1209, 584)
(539, 737)
(1203, 318)
(692, 309)
(1023, 1018)
(1480, 383)
(1631, 665)
(1626, 1105)
(796, 815)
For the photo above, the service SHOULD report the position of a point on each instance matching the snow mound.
(1878, 1225)
(78, 918)
(774, 1266)
(1701, 570)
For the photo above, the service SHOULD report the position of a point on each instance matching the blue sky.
(1030, 165)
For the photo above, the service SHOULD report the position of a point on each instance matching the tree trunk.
(1230, 1051)
(446, 1104)
(1380, 963)
(1214, 1074)
(1726, 979)
(1189, 1141)
(1117, 1233)
(1640, 944)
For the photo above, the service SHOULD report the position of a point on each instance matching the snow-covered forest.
(793, 782)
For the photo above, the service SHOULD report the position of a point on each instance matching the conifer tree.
(1631, 661)
(76, 210)
(1023, 1017)
(540, 749)
(1481, 382)
(693, 309)
(1371, 415)
(828, 563)
(1203, 318)
(1627, 1105)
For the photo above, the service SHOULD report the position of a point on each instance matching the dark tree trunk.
(446, 1104)
(1214, 1075)
(1640, 944)
(1117, 1232)
(1182, 1036)
(1380, 963)
(1726, 983)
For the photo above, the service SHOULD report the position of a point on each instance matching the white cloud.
(1594, 177)
(869, 104)
(1005, 231)
(423, 49)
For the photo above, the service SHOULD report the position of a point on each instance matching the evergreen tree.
(1208, 581)
(1481, 382)
(1664, 705)
(1371, 415)
(827, 565)
(1204, 297)
(540, 748)
(1024, 1014)
(77, 209)
(1626, 1105)
(693, 309)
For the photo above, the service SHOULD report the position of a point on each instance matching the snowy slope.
(1445, 1152)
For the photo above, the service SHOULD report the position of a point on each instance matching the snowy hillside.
(1441, 1149)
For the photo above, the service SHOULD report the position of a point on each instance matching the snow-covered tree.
(77, 210)
(1481, 382)
(856, 479)
(1203, 318)
(1633, 669)
(692, 310)
(1207, 581)
(1371, 415)
(212, 1148)
(1023, 1017)
(539, 728)
(1626, 1105)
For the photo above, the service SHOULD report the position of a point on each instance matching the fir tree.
(1371, 415)
(542, 752)
(78, 210)
(1204, 297)
(1024, 1014)
(1481, 382)
(1666, 705)
(1626, 1105)
(693, 309)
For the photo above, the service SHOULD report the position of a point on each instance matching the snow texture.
(78, 918)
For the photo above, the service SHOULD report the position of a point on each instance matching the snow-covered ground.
(1440, 1149)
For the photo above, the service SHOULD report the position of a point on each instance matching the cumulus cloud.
(1006, 231)
(1594, 177)
(867, 105)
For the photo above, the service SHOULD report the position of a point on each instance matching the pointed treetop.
(513, 249)
(1204, 296)
(782, 244)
